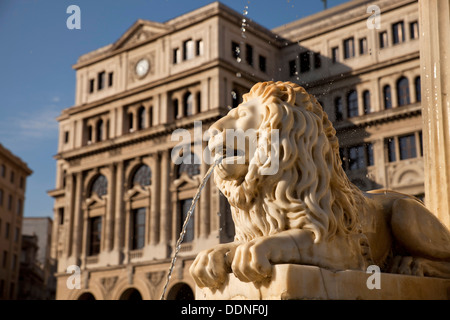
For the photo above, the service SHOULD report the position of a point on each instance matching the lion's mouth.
(233, 161)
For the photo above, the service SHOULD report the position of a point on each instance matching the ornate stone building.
(120, 200)
(13, 176)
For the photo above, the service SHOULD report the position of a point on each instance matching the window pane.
(387, 97)
(356, 157)
(414, 29)
(99, 186)
(142, 176)
(184, 207)
(366, 101)
(418, 88)
(95, 235)
(398, 32)
(390, 144)
(101, 80)
(352, 104)
(262, 63)
(369, 154)
(335, 54)
(383, 39)
(403, 92)
(138, 240)
(249, 54)
(363, 46)
(349, 48)
(338, 109)
(141, 118)
(188, 49)
(317, 60)
(407, 145)
(292, 68)
(235, 50)
(305, 64)
(190, 165)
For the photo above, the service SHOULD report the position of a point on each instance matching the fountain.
(305, 231)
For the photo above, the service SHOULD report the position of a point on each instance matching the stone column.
(68, 210)
(434, 28)
(155, 203)
(109, 225)
(78, 218)
(165, 199)
(204, 202)
(119, 212)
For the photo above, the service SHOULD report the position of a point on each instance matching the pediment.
(95, 201)
(186, 182)
(140, 31)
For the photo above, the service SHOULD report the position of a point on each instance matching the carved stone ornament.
(308, 212)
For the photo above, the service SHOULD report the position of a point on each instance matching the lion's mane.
(310, 190)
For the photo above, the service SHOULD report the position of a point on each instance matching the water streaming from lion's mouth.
(186, 221)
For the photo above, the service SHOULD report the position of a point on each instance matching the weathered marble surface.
(309, 282)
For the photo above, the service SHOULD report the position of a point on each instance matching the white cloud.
(31, 126)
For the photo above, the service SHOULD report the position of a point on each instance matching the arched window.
(403, 92)
(338, 109)
(352, 104)
(418, 88)
(188, 104)
(142, 176)
(99, 186)
(387, 98)
(141, 118)
(99, 130)
(366, 102)
(190, 164)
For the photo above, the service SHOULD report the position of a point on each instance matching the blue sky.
(37, 52)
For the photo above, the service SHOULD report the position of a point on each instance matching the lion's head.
(310, 190)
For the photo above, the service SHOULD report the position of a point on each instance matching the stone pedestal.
(309, 282)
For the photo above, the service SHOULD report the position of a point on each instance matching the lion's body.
(309, 212)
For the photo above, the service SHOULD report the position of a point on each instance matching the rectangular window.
(138, 240)
(7, 230)
(421, 143)
(292, 68)
(398, 32)
(369, 154)
(390, 146)
(21, 182)
(176, 56)
(262, 63)
(91, 85)
(249, 54)
(363, 46)
(235, 50)
(305, 64)
(356, 157)
(14, 264)
(199, 47)
(19, 207)
(16, 235)
(66, 136)
(414, 30)
(12, 177)
(407, 146)
(184, 206)
(317, 60)
(110, 79)
(188, 49)
(335, 54)
(383, 39)
(95, 235)
(101, 80)
(61, 216)
(5, 258)
(1, 197)
(349, 48)
(10, 200)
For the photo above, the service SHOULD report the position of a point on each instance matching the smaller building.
(13, 174)
(37, 268)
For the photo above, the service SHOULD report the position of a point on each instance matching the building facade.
(121, 197)
(13, 175)
(37, 267)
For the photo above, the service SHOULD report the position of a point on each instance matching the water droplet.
(238, 59)
(233, 94)
(238, 75)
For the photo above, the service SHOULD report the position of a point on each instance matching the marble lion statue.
(308, 212)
